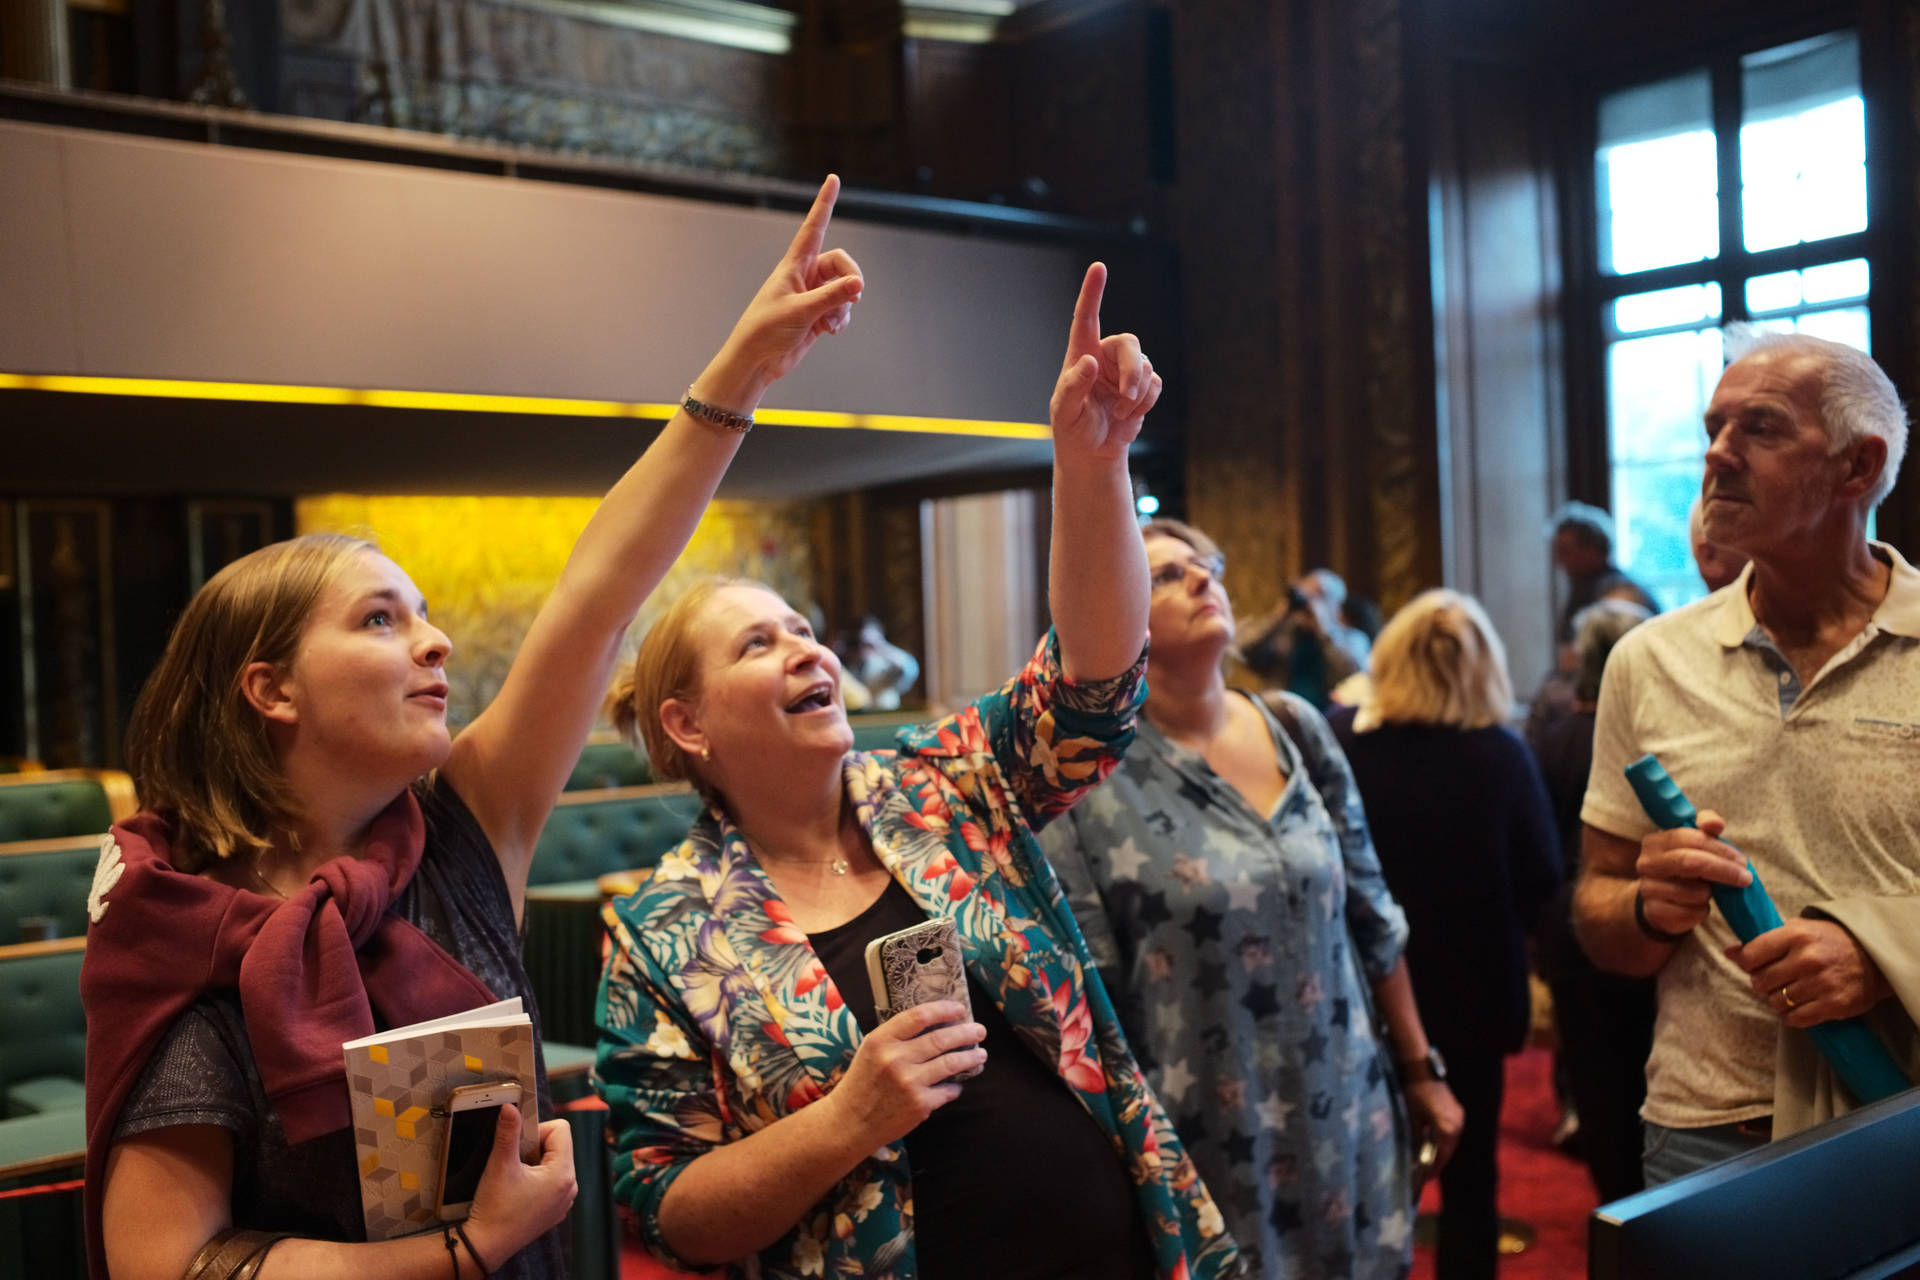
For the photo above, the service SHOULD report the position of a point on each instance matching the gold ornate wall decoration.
(67, 632)
(1396, 452)
(1312, 437)
(1241, 263)
(486, 564)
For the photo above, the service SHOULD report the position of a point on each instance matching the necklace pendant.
(839, 866)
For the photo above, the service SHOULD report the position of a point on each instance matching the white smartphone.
(915, 965)
(473, 1113)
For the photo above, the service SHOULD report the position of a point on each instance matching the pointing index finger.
(813, 229)
(1085, 335)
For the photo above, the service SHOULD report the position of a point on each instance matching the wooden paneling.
(1496, 294)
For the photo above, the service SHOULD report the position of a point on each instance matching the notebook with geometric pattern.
(400, 1081)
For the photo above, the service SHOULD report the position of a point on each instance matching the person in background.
(1718, 565)
(1327, 592)
(885, 670)
(1605, 1021)
(1226, 884)
(763, 1116)
(1363, 616)
(319, 856)
(1465, 834)
(1583, 550)
(1780, 705)
(1301, 645)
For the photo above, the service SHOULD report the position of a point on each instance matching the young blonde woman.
(318, 856)
(1465, 832)
(1225, 880)
(764, 1119)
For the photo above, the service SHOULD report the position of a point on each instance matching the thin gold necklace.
(265, 883)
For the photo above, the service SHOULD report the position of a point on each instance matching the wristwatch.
(1432, 1067)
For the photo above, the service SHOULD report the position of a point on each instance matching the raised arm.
(1097, 584)
(511, 762)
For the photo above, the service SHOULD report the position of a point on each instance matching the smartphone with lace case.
(918, 964)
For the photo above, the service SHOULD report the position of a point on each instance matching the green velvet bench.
(43, 1048)
(609, 761)
(876, 730)
(588, 835)
(591, 833)
(62, 802)
(47, 882)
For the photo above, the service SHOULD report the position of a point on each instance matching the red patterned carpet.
(1548, 1191)
(1538, 1185)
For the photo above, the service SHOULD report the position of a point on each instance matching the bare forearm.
(421, 1257)
(1394, 995)
(1603, 922)
(1097, 583)
(741, 1197)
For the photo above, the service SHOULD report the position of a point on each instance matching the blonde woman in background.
(1465, 834)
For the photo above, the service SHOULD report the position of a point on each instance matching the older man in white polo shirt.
(1787, 707)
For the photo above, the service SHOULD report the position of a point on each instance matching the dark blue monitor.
(1838, 1202)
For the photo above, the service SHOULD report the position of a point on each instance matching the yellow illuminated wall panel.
(485, 564)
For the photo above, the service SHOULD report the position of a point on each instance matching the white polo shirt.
(1820, 787)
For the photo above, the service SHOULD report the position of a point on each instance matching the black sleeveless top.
(1012, 1179)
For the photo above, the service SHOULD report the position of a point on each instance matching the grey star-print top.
(1242, 949)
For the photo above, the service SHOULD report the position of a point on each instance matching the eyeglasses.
(1174, 572)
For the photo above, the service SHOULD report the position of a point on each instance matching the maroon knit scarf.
(311, 972)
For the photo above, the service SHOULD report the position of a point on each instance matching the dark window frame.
(1590, 290)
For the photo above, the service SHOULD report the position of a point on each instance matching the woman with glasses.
(1227, 888)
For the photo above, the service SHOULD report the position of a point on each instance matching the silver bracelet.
(741, 422)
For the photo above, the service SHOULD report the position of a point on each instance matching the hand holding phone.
(905, 1070)
(519, 1200)
(917, 965)
(473, 1114)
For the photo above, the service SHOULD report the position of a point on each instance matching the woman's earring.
(706, 755)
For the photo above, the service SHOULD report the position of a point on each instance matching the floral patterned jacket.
(717, 1018)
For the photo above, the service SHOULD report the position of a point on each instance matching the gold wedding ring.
(1786, 997)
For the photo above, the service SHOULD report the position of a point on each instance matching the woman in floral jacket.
(762, 1116)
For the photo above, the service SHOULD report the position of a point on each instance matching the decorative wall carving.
(1241, 394)
(1311, 421)
(551, 76)
(72, 704)
(1398, 461)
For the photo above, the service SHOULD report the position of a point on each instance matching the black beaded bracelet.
(741, 422)
(1648, 927)
(460, 1230)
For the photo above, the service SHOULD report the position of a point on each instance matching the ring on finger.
(1785, 997)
